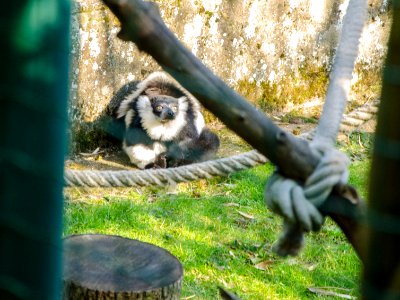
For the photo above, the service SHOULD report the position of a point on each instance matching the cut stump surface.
(111, 267)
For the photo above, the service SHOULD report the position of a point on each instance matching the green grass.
(202, 226)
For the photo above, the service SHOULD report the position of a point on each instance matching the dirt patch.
(103, 159)
(115, 159)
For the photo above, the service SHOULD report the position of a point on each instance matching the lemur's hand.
(159, 163)
(176, 156)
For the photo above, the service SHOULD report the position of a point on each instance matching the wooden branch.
(141, 23)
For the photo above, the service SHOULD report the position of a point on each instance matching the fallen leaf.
(221, 268)
(292, 261)
(359, 142)
(327, 291)
(253, 257)
(276, 118)
(196, 194)
(247, 216)
(296, 131)
(229, 204)
(230, 185)
(310, 266)
(95, 152)
(264, 265)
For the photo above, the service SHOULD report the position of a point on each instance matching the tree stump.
(111, 267)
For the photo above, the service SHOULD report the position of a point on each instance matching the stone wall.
(277, 53)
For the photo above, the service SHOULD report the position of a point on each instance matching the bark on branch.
(141, 23)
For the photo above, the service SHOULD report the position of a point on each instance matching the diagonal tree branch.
(141, 23)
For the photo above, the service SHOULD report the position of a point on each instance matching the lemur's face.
(165, 107)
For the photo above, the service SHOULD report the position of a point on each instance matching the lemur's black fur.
(163, 124)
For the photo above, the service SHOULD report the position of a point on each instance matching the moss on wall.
(310, 82)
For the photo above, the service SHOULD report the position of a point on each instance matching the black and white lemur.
(163, 124)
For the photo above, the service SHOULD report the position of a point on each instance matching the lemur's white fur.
(130, 114)
(199, 122)
(141, 155)
(156, 129)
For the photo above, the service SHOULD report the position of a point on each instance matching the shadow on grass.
(215, 243)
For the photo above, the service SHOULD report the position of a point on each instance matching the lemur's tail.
(208, 143)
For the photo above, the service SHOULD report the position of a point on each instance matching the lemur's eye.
(158, 108)
(174, 108)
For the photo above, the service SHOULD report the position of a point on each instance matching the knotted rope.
(297, 204)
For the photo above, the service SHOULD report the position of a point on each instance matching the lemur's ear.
(152, 91)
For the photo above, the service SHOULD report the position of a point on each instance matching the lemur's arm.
(142, 151)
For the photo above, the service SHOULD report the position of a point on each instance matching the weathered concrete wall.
(277, 53)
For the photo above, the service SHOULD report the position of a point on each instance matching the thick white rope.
(220, 167)
(162, 177)
(352, 120)
(298, 204)
(342, 70)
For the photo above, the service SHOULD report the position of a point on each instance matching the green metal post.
(34, 36)
(381, 276)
